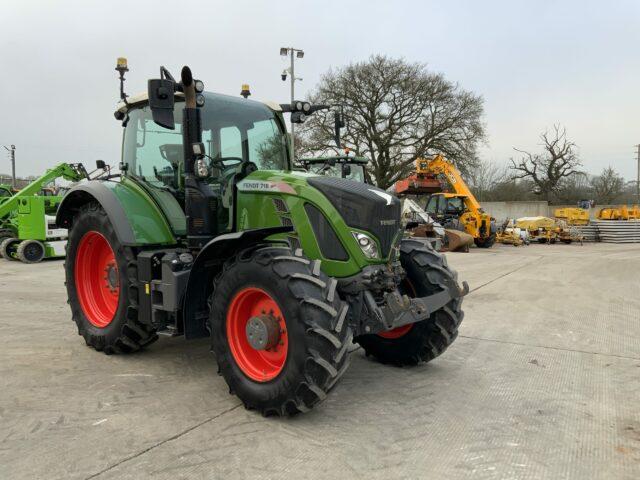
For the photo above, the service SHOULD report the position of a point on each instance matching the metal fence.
(20, 182)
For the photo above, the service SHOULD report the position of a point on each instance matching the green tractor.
(209, 232)
(28, 231)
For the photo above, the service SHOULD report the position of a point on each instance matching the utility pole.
(638, 177)
(284, 51)
(12, 156)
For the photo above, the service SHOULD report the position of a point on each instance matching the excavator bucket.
(457, 241)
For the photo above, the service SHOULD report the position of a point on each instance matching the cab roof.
(142, 98)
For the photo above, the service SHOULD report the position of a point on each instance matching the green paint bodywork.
(30, 219)
(257, 210)
(149, 214)
(158, 219)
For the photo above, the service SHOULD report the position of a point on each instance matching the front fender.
(136, 218)
(206, 265)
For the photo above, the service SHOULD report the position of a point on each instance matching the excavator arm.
(440, 166)
(476, 222)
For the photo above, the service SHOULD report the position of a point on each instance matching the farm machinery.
(572, 216)
(457, 210)
(209, 232)
(547, 230)
(622, 212)
(28, 231)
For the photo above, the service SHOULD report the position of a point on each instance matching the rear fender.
(206, 265)
(135, 217)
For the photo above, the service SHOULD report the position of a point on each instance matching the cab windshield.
(234, 131)
(353, 171)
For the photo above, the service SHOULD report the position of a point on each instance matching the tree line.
(397, 111)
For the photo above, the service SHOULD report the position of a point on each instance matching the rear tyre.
(309, 352)
(30, 251)
(427, 273)
(101, 280)
(8, 248)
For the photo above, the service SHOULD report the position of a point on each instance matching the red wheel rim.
(396, 332)
(258, 365)
(403, 330)
(97, 279)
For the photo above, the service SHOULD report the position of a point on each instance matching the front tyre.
(101, 280)
(427, 273)
(279, 330)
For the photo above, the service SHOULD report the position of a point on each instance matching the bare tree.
(395, 112)
(485, 177)
(559, 160)
(607, 186)
(574, 188)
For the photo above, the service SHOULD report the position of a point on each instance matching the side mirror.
(101, 165)
(346, 170)
(161, 101)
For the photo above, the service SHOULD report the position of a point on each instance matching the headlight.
(366, 244)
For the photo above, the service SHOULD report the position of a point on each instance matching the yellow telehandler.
(458, 209)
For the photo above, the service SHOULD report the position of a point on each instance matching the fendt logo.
(387, 222)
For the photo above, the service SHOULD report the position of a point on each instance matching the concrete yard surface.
(542, 383)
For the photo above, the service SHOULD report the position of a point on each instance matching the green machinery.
(209, 232)
(28, 231)
(343, 166)
(5, 192)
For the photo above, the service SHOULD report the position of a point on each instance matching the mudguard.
(206, 265)
(136, 218)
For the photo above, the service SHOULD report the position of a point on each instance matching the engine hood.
(363, 206)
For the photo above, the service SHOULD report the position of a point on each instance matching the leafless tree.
(484, 177)
(558, 160)
(573, 188)
(395, 112)
(607, 186)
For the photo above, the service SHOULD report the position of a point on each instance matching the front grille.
(286, 222)
(280, 205)
(328, 241)
(364, 207)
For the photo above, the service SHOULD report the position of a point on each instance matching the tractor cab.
(445, 206)
(341, 166)
(238, 136)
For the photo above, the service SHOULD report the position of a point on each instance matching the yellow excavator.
(458, 209)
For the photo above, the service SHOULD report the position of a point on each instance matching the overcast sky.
(535, 63)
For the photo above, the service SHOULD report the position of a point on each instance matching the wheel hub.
(263, 332)
(111, 277)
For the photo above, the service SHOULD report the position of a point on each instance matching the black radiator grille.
(364, 207)
(328, 241)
